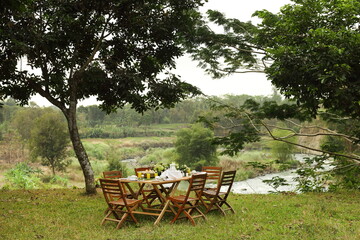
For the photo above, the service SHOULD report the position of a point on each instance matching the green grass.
(69, 214)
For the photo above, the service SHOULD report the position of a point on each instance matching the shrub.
(194, 147)
(114, 163)
(99, 167)
(56, 180)
(158, 155)
(96, 150)
(23, 176)
(282, 151)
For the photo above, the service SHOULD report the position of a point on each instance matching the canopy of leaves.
(114, 50)
(314, 46)
(309, 50)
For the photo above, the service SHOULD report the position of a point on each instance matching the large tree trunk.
(80, 152)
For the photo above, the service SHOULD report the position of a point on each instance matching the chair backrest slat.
(213, 173)
(196, 184)
(227, 180)
(112, 189)
(140, 169)
(112, 174)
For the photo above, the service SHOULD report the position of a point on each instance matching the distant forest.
(125, 122)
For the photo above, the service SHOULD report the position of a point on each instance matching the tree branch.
(96, 49)
(331, 132)
(354, 158)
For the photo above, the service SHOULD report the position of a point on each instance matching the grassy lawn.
(68, 214)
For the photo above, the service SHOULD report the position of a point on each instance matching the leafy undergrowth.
(69, 214)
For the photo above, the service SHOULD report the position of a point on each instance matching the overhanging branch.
(354, 158)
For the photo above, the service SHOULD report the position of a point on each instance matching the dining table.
(163, 193)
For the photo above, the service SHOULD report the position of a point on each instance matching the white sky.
(249, 83)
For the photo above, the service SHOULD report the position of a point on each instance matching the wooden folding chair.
(112, 174)
(118, 204)
(215, 199)
(149, 195)
(213, 176)
(116, 175)
(186, 204)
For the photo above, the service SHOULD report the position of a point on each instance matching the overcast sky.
(249, 83)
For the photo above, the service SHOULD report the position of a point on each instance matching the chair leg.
(203, 202)
(122, 220)
(230, 208)
(211, 205)
(201, 213)
(187, 214)
(132, 215)
(220, 209)
(106, 216)
(180, 209)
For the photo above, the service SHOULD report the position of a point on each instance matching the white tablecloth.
(171, 174)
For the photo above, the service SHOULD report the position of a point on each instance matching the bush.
(56, 180)
(282, 151)
(23, 176)
(114, 163)
(154, 156)
(194, 147)
(99, 167)
(96, 150)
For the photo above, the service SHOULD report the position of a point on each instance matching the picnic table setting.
(153, 193)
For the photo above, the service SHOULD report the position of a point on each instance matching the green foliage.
(23, 176)
(282, 151)
(56, 180)
(346, 172)
(114, 163)
(99, 167)
(97, 150)
(312, 43)
(159, 155)
(195, 148)
(49, 141)
(276, 182)
(23, 121)
(311, 177)
(119, 52)
(164, 29)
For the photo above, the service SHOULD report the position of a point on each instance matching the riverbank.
(257, 186)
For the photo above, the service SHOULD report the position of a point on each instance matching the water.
(257, 186)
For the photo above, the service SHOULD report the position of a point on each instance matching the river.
(257, 186)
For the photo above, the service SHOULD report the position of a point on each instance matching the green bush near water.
(22, 176)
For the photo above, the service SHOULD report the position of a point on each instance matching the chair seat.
(212, 193)
(130, 202)
(182, 198)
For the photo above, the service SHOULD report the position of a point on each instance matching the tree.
(194, 147)
(23, 121)
(115, 50)
(309, 51)
(49, 141)
(94, 115)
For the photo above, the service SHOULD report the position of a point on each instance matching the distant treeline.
(125, 122)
